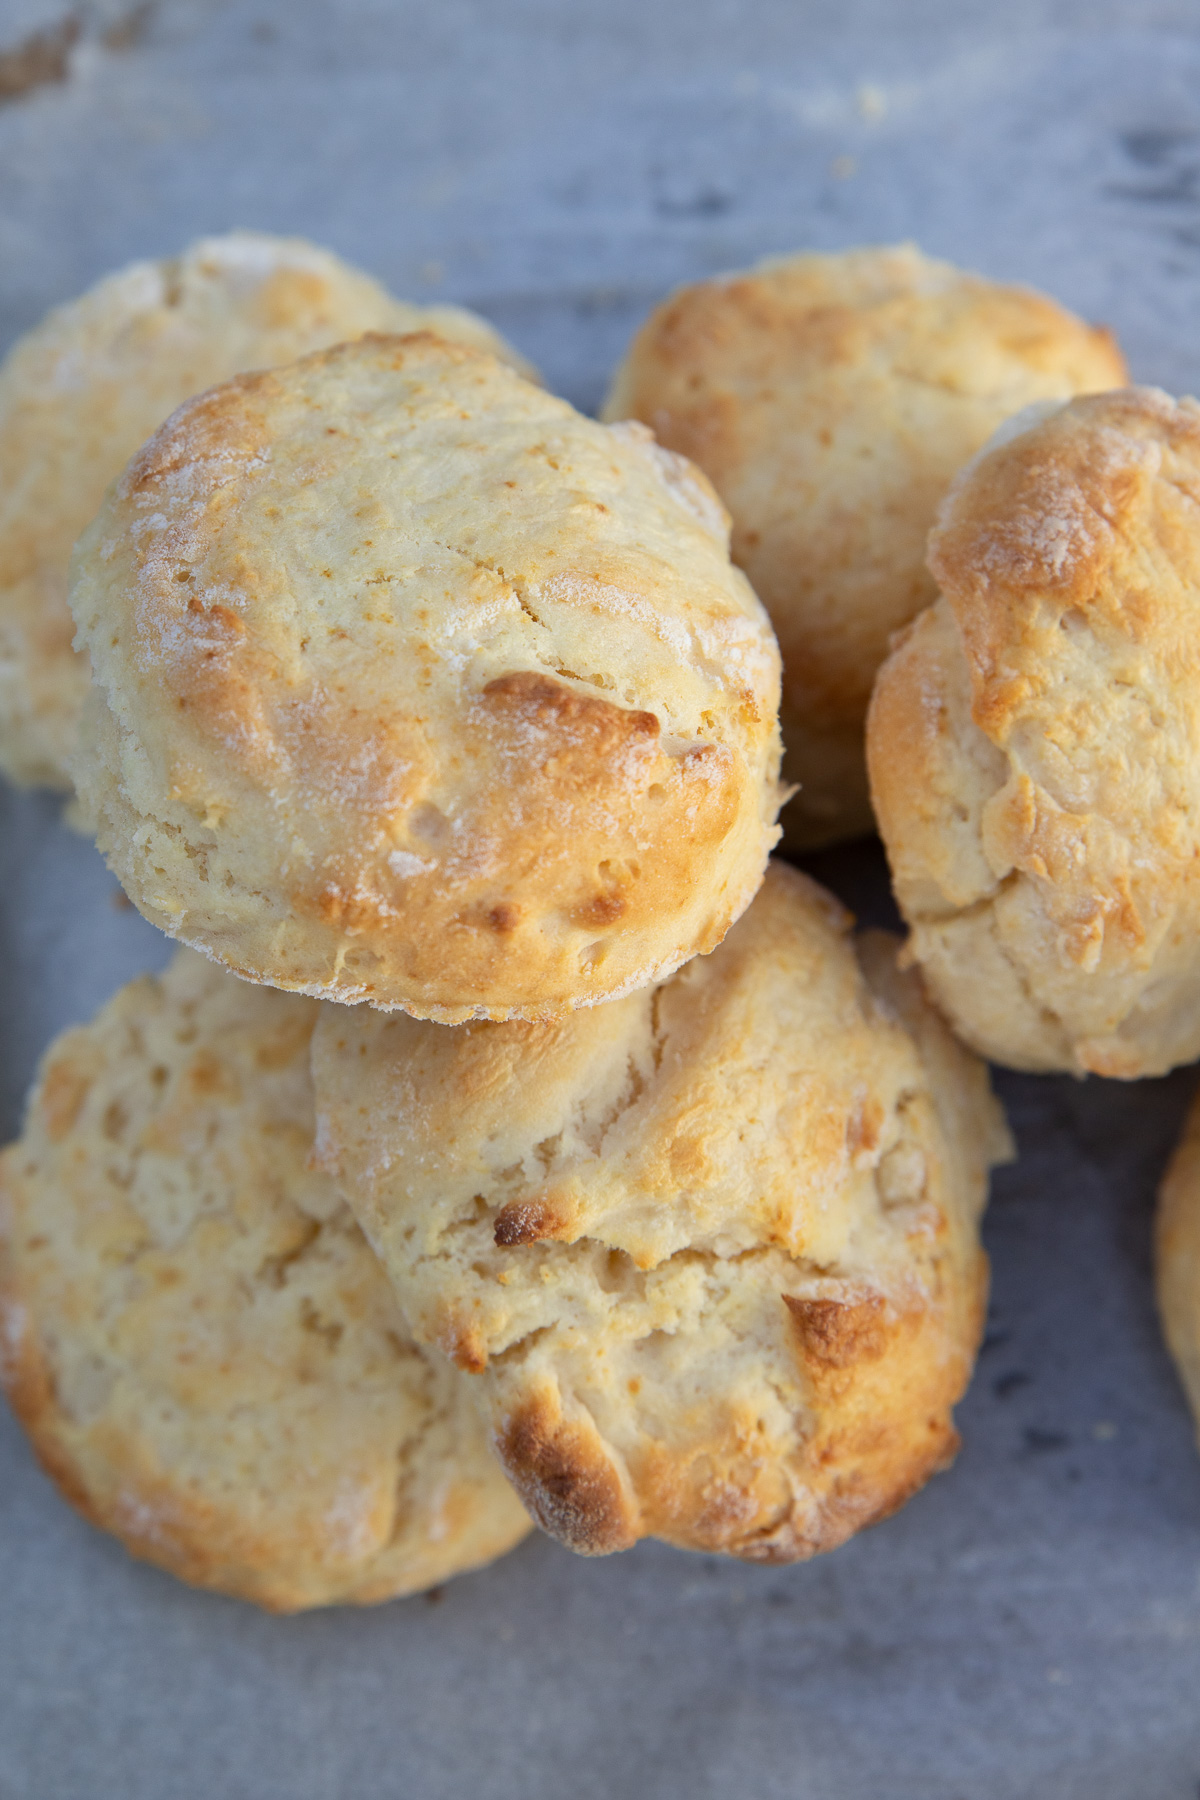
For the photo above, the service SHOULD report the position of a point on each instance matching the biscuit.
(85, 389)
(1034, 742)
(712, 1250)
(1177, 1257)
(830, 399)
(193, 1331)
(414, 686)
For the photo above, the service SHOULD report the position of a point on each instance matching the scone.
(830, 399)
(204, 1351)
(411, 685)
(1177, 1257)
(85, 389)
(712, 1252)
(1034, 742)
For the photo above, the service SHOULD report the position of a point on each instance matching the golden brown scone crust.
(414, 686)
(1177, 1257)
(830, 399)
(712, 1250)
(1034, 743)
(85, 389)
(193, 1331)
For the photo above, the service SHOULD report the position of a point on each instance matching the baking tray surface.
(1030, 1624)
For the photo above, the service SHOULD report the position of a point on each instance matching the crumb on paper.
(871, 101)
(37, 61)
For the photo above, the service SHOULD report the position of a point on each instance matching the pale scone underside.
(712, 1250)
(830, 399)
(197, 1338)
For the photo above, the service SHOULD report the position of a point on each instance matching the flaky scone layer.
(1034, 743)
(414, 686)
(830, 399)
(205, 1353)
(711, 1251)
(85, 389)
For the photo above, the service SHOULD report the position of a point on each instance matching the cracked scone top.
(830, 399)
(1034, 743)
(411, 685)
(85, 389)
(712, 1250)
(204, 1351)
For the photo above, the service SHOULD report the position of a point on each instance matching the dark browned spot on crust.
(504, 917)
(553, 706)
(222, 617)
(700, 756)
(463, 1343)
(354, 912)
(207, 1077)
(836, 1333)
(602, 909)
(331, 905)
(64, 1090)
(566, 1481)
(864, 1126)
(528, 1222)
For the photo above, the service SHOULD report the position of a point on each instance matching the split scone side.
(1177, 1257)
(85, 388)
(1034, 742)
(712, 1251)
(830, 399)
(412, 685)
(206, 1355)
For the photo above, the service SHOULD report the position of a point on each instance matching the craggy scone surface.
(1035, 743)
(830, 399)
(85, 389)
(204, 1351)
(712, 1250)
(414, 686)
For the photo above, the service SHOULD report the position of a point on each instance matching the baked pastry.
(85, 389)
(204, 1351)
(712, 1251)
(411, 685)
(1034, 743)
(1177, 1257)
(830, 399)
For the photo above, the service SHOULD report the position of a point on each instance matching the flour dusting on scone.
(87, 386)
(194, 1332)
(414, 686)
(831, 398)
(1034, 743)
(711, 1252)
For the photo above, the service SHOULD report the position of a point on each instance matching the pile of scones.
(526, 1144)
